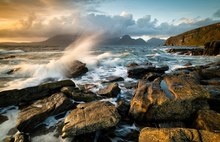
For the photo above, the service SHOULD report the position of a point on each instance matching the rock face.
(111, 90)
(31, 116)
(14, 97)
(90, 117)
(196, 37)
(76, 69)
(212, 48)
(138, 71)
(79, 95)
(208, 120)
(177, 135)
(187, 51)
(174, 98)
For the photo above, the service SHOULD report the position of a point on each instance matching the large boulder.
(79, 95)
(177, 135)
(138, 71)
(208, 120)
(176, 97)
(112, 90)
(29, 117)
(76, 69)
(90, 117)
(16, 96)
(212, 48)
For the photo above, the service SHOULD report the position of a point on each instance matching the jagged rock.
(29, 117)
(90, 117)
(212, 48)
(123, 107)
(177, 135)
(151, 76)
(138, 71)
(76, 69)
(21, 137)
(14, 97)
(114, 78)
(3, 118)
(186, 51)
(111, 90)
(79, 95)
(181, 97)
(86, 87)
(208, 120)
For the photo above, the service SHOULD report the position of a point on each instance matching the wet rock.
(12, 71)
(29, 117)
(187, 51)
(3, 118)
(89, 118)
(213, 81)
(14, 97)
(132, 65)
(182, 98)
(86, 87)
(79, 95)
(208, 120)
(176, 135)
(178, 124)
(114, 79)
(76, 69)
(139, 71)
(212, 48)
(21, 137)
(151, 76)
(130, 85)
(123, 108)
(111, 90)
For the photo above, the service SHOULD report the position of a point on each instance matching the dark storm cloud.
(217, 14)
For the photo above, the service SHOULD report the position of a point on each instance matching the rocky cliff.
(196, 37)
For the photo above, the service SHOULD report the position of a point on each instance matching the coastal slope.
(196, 37)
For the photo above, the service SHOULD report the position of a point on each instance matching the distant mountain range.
(66, 39)
(196, 37)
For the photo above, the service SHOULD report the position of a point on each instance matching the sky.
(35, 20)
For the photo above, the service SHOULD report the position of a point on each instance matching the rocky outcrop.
(176, 97)
(208, 120)
(90, 117)
(196, 37)
(14, 97)
(3, 118)
(177, 135)
(76, 69)
(111, 90)
(139, 71)
(29, 117)
(212, 48)
(79, 95)
(187, 51)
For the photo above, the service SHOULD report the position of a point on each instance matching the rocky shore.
(182, 105)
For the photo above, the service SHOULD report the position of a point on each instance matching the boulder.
(114, 79)
(16, 96)
(3, 118)
(76, 69)
(138, 71)
(175, 98)
(111, 90)
(29, 117)
(21, 137)
(212, 48)
(177, 135)
(79, 95)
(208, 120)
(90, 117)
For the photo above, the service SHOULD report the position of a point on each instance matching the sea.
(21, 68)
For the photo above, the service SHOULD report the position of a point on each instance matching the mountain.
(124, 40)
(156, 42)
(196, 37)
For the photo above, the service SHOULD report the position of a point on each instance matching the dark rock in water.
(12, 71)
(208, 120)
(130, 85)
(114, 79)
(182, 98)
(14, 97)
(177, 124)
(76, 69)
(132, 65)
(187, 51)
(212, 48)
(79, 95)
(151, 76)
(3, 118)
(188, 64)
(111, 90)
(89, 118)
(29, 117)
(148, 134)
(140, 70)
(123, 108)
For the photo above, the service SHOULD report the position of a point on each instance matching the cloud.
(46, 18)
(217, 14)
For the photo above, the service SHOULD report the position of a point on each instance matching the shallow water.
(35, 67)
